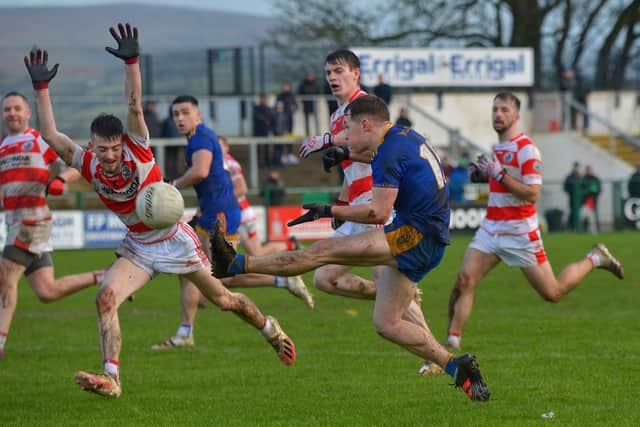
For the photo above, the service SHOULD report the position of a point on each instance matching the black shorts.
(30, 260)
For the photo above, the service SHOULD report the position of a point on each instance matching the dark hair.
(14, 93)
(185, 98)
(107, 126)
(508, 96)
(369, 105)
(344, 55)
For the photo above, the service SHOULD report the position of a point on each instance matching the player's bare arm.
(128, 50)
(199, 170)
(41, 75)
(526, 192)
(376, 212)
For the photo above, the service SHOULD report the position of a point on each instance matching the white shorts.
(179, 254)
(248, 227)
(524, 250)
(350, 228)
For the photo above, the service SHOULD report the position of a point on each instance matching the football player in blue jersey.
(217, 207)
(407, 177)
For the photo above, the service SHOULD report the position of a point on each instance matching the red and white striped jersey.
(357, 175)
(235, 172)
(507, 214)
(25, 160)
(119, 191)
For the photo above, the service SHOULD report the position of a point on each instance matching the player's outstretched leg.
(102, 384)
(469, 379)
(602, 258)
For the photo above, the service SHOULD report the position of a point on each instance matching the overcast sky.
(257, 7)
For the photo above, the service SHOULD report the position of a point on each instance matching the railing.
(457, 141)
(614, 132)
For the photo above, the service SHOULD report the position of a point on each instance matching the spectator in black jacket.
(263, 127)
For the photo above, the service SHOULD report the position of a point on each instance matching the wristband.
(501, 175)
(130, 61)
(60, 178)
(40, 85)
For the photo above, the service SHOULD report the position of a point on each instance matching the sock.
(281, 282)
(185, 330)
(594, 257)
(451, 367)
(290, 245)
(268, 329)
(3, 339)
(112, 368)
(454, 339)
(239, 265)
(98, 276)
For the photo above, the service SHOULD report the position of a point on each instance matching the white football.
(159, 205)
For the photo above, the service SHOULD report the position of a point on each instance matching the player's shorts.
(524, 250)
(230, 220)
(248, 227)
(179, 254)
(349, 228)
(416, 253)
(31, 261)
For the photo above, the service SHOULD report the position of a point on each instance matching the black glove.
(316, 211)
(333, 155)
(128, 49)
(37, 67)
(475, 174)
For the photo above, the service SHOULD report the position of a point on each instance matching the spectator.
(280, 128)
(151, 118)
(634, 182)
(590, 192)
(403, 118)
(581, 92)
(458, 177)
(169, 129)
(263, 127)
(447, 166)
(288, 100)
(383, 90)
(572, 186)
(273, 191)
(309, 86)
(566, 84)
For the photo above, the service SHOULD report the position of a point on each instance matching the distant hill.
(163, 28)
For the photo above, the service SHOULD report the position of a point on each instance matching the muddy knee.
(106, 300)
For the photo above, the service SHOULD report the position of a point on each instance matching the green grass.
(579, 359)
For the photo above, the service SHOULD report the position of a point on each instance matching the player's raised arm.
(41, 75)
(129, 51)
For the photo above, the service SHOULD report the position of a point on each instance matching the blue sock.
(451, 368)
(238, 266)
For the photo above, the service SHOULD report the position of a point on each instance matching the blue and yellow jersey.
(215, 192)
(406, 161)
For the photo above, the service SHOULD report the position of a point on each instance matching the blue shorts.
(415, 253)
(230, 219)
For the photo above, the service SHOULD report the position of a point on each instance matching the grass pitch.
(579, 359)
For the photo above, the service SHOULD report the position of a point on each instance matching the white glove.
(315, 143)
(491, 167)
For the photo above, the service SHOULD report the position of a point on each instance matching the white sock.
(185, 330)
(595, 259)
(453, 341)
(268, 329)
(281, 282)
(3, 339)
(112, 368)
